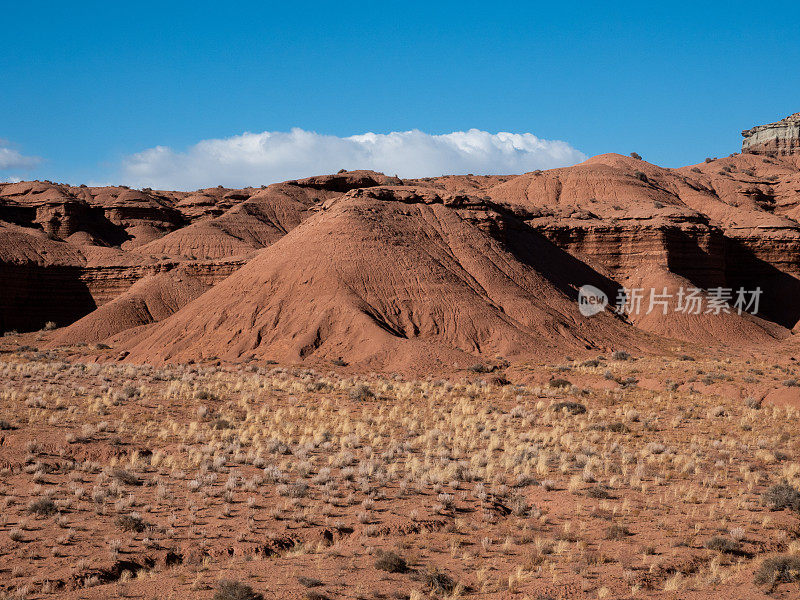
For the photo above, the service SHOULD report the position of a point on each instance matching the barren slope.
(392, 277)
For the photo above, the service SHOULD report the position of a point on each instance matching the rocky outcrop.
(774, 139)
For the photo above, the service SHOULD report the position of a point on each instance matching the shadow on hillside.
(563, 270)
(780, 298)
(30, 296)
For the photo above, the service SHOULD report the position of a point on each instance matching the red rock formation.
(91, 244)
(393, 277)
(389, 271)
(774, 139)
(152, 298)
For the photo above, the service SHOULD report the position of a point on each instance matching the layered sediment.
(774, 139)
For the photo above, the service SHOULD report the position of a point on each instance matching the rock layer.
(774, 139)
(391, 273)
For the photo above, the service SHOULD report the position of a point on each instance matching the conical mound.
(393, 277)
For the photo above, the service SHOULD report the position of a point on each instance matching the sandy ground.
(614, 477)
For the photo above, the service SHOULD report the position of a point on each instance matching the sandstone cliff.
(774, 139)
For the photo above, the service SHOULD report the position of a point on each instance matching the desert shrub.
(499, 381)
(559, 382)
(221, 424)
(360, 393)
(16, 535)
(132, 522)
(617, 532)
(720, 543)
(129, 391)
(640, 176)
(751, 402)
(235, 590)
(205, 395)
(446, 500)
(636, 155)
(520, 507)
(338, 362)
(591, 363)
(791, 383)
(42, 507)
(717, 411)
(6, 426)
(479, 368)
(620, 355)
(439, 581)
(308, 582)
(575, 408)
(658, 204)
(298, 489)
(696, 170)
(391, 563)
(780, 496)
(126, 477)
(776, 569)
(599, 492)
(50, 326)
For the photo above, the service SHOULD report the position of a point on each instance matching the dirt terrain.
(613, 477)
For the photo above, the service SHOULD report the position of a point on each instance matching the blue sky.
(87, 86)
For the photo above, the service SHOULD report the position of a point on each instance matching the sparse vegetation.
(131, 522)
(722, 544)
(42, 507)
(574, 408)
(777, 569)
(439, 581)
(235, 590)
(782, 495)
(286, 462)
(559, 382)
(391, 562)
(617, 532)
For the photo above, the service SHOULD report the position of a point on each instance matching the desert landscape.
(359, 386)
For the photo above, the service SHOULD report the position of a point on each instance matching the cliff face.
(775, 139)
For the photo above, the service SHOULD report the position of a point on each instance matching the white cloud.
(12, 159)
(261, 158)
